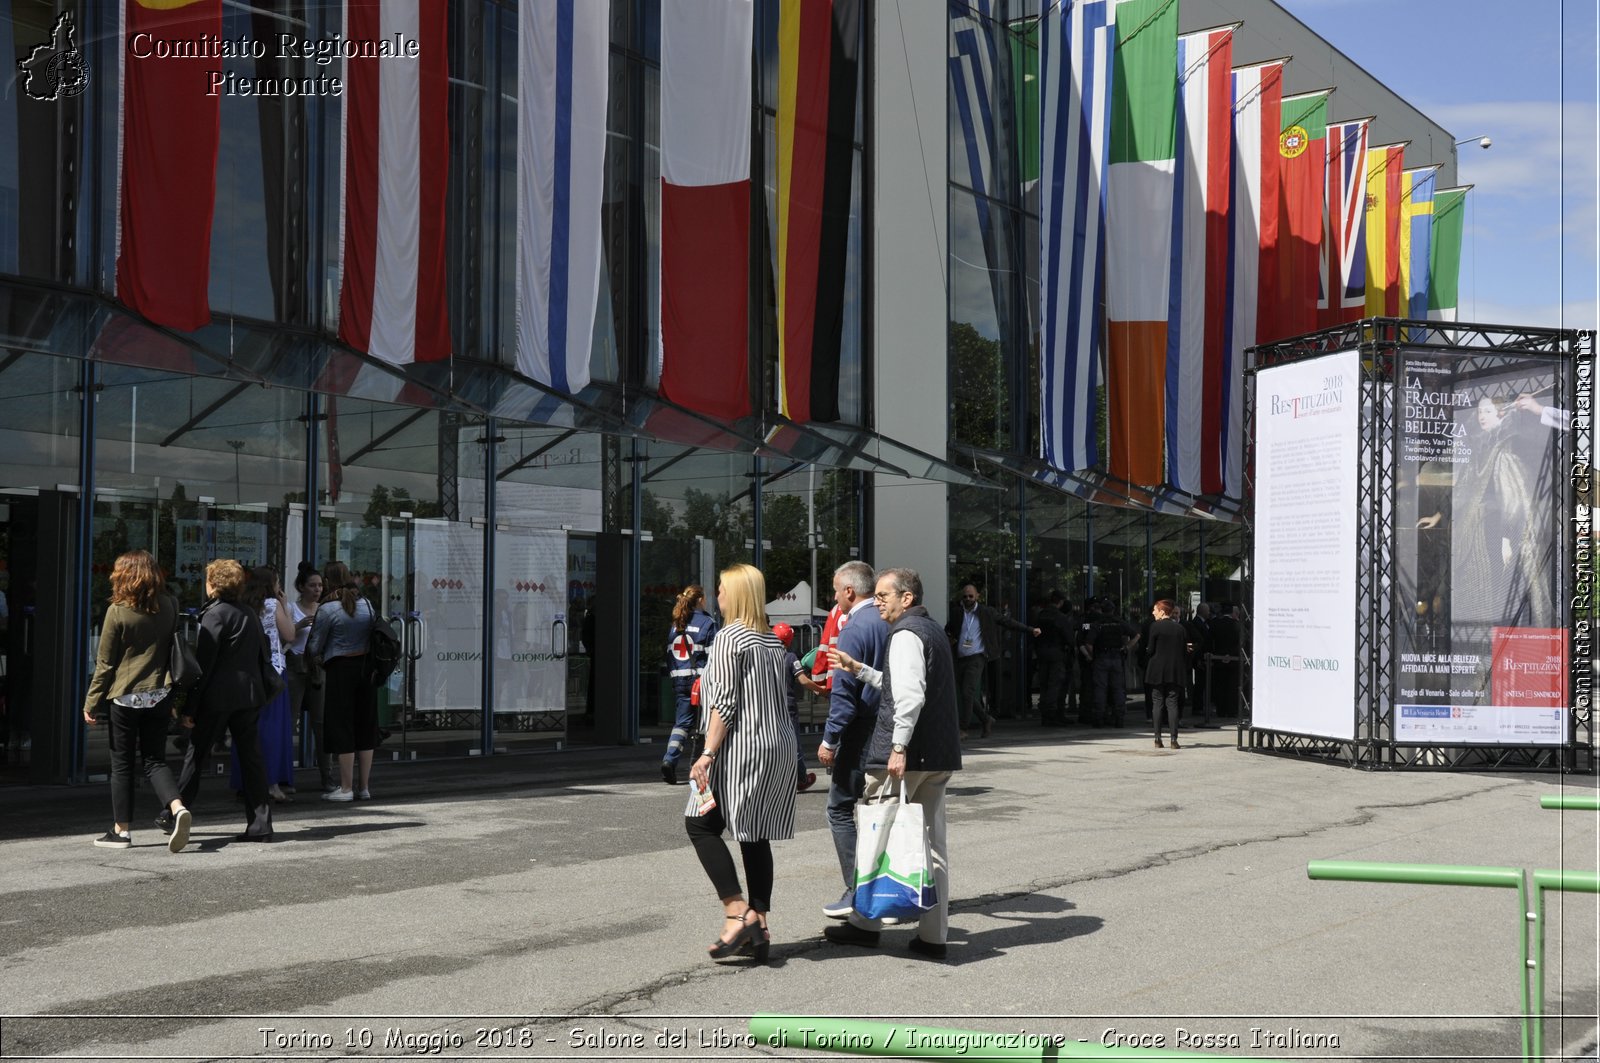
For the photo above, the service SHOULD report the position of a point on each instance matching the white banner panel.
(1308, 421)
(530, 599)
(448, 592)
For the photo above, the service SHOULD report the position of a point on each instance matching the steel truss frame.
(1381, 341)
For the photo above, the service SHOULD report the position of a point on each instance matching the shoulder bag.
(183, 667)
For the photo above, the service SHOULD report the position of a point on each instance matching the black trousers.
(139, 735)
(242, 726)
(705, 834)
(1165, 701)
(970, 682)
(1109, 677)
(1052, 685)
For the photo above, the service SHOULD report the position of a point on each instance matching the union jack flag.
(1344, 220)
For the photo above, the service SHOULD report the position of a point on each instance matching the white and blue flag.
(561, 148)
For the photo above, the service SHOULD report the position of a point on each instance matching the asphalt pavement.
(1105, 893)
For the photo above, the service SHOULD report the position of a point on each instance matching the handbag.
(271, 682)
(894, 869)
(183, 667)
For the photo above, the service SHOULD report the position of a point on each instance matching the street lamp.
(1483, 142)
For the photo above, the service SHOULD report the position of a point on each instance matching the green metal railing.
(1530, 921)
(1442, 875)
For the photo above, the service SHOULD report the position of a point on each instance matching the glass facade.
(480, 511)
(1080, 536)
(529, 543)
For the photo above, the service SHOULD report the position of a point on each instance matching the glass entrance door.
(534, 637)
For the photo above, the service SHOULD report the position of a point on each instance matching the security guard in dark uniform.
(1103, 643)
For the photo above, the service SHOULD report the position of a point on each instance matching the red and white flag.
(169, 128)
(1198, 301)
(1257, 112)
(393, 303)
(705, 204)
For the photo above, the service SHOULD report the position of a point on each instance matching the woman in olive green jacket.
(131, 682)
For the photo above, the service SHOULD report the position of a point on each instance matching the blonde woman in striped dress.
(748, 763)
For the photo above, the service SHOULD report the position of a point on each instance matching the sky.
(1513, 73)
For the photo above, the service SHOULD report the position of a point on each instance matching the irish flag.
(1139, 234)
(1384, 166)
(705, 204)
(1444, 251)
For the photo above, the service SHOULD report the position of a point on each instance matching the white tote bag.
(894, 870)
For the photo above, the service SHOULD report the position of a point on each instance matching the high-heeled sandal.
(743, 941)
(761, 944)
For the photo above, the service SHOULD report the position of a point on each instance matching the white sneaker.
(339, 795)
(181, 821)
(364, 795)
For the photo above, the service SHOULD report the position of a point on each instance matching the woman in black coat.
(233, 655)
(1166, 666)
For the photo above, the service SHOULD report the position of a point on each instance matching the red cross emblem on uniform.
(682, 647)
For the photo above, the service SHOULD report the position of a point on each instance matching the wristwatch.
(898, 747)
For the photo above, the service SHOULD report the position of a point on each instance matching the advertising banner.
(1307, 459)
(530, 603)
(447, 587)
(1481, 642)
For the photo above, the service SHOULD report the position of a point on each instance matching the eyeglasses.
(883, 596)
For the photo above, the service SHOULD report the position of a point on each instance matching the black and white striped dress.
(753, 776)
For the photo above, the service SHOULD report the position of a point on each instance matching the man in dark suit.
(1225, 650)
(233, 654)
(974, 631)
(1199, 629)
(1052, 651)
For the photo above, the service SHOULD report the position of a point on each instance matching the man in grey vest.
(917, 739)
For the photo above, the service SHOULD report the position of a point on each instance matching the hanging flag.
(705, 205)
(1416, 234)
(563, 64)
(167, 158)
(1139, 211)
(1257, 123)
(1302, 177)
(1344, 258)
(1024, 38)
(1076, 49)
(1384, 166)
(974, 61)
(819, 44)
(392, 298)
(1444, 266)
(1197, 300)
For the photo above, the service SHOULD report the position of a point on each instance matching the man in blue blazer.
(852, 714)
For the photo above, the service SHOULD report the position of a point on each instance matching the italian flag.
(1139, 234)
